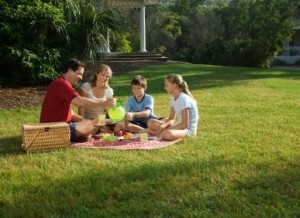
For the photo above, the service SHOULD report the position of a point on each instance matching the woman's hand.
(110, 102)
(95, 122)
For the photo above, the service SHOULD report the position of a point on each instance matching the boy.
(139, 107)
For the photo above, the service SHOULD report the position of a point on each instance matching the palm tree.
(87, 27)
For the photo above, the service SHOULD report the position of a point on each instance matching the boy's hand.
(129, 116)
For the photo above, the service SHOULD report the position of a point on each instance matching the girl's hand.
(159, 130)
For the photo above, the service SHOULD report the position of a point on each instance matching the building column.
(101, 9)
(142, 29)
(107, 41)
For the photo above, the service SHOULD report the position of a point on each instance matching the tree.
(243, 32)
(200, 26)
(37, 35)
(162, 28)
(87, 26)
(259, 27)
(25, 51)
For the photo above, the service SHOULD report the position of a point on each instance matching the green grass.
(244, 162)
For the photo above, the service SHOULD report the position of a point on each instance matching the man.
(60, 96)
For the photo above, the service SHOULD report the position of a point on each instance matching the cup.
(143, 136)
(101, 119)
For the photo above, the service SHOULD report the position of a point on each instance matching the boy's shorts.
(141, 122)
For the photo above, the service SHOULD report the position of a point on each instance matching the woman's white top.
(92, 113)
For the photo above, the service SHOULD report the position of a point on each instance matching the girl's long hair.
(182, 85)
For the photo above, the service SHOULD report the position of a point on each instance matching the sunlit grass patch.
(244, 161)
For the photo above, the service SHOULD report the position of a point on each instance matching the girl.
(183, 105)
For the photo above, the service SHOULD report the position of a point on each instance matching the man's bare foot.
(86, 138)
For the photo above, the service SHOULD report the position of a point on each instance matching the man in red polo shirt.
(60, 96)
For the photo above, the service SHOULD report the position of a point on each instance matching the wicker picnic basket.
(45, 136)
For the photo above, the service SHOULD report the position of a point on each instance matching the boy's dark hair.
(139, 81)
(73, 64)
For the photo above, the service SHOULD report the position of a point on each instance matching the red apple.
(124, 132)
(118, 133)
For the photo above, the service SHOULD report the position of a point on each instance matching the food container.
(143, 136)
(45, 136)
(101, 119)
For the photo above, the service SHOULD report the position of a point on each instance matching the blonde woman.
(183, 106)
(97, 89)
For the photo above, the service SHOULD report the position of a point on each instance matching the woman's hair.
(178, 80)
(100, 69)
(139, 81)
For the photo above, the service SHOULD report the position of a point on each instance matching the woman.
(97, 89)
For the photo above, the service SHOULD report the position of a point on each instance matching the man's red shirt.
(57, 105)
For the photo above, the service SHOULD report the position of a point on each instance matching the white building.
(127, 4)
(291, 53)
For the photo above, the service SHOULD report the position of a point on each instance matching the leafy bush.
(28, 47)
(36, 35)
(119, 42)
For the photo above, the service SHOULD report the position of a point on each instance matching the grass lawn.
(244, 162)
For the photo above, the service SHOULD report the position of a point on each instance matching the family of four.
(96, 97)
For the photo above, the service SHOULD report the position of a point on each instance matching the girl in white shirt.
(183, 106)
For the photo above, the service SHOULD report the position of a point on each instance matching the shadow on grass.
(178, 189)
(11, 145)
(200, 76)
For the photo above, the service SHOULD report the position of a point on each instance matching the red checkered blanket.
(124, 144)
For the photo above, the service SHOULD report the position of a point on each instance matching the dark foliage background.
(36, 36)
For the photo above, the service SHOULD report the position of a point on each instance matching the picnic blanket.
(124, 144)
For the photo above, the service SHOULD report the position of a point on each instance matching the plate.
(110, 138)
(101, 135)
(129, 137)
(109, 121)
(153, 138)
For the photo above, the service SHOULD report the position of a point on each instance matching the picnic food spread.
(109, 138)
(118, 133)
(128, 135)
